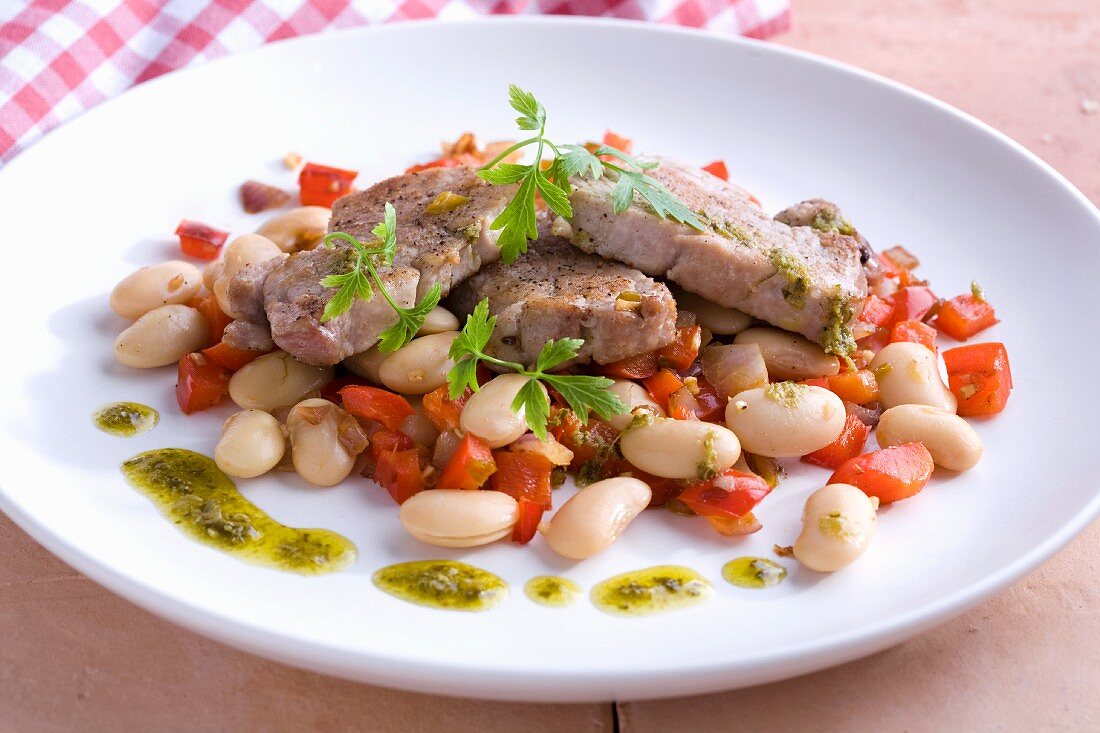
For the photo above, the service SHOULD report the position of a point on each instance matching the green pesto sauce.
(724, 228)
(652, 590)
(552, 591)
(707, 467)
(836, 336)
(446, 584)
(788, 394)
(828, 220)
(126, 419)
(797, 274)
(753, 572)
(203, 502)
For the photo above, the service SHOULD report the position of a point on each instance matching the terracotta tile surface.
(75, 657)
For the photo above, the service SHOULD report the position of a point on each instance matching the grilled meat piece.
(554, 291)
(824, 216)
(797, 278)
(445, 247)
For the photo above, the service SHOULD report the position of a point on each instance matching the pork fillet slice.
(445, 247)
(797, 278)
(554, 291)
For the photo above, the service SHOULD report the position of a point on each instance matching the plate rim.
(504, 683)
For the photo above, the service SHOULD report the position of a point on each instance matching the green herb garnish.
(517, 222)
(581, 392)
(356, 283)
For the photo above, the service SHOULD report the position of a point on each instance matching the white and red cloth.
(61, 57)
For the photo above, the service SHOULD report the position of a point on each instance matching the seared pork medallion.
(443, 235)
(554, 291)
(798, 278)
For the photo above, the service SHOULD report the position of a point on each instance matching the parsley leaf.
(533, 114)
(356, 283)
(583, 393)
(517, 222)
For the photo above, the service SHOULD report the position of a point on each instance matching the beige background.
(75, 657)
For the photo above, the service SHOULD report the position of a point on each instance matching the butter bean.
(595, 516)
(683, 449)
(632, 395)
(488, 413)
(315, 448)
(785, 419)
(161, 337)
(167, 283)
(276, 380)
(297, 229)
(252, 443)
(419, 366)
(838, 522)
(953, 443)
(789, 355)
(908, 374)
(459, 518)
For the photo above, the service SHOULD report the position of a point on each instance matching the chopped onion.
(733, 368)
(551, 449)
(445, 446)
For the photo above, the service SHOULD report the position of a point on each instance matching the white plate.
(101, 196)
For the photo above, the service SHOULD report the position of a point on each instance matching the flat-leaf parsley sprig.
(356, 283)
(581, 392)
(517, 222)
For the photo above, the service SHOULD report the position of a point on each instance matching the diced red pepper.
(384, 440)
(980, 377)
(662, 489)
(890, 269)
(859, 386)
(682, 352)
(200, 240)
(615, 140)
(712, 408)
(718, 168)
(891, 474)
(445, 162)
(470, 466)
(373, 403)
(876, 311)
(523, 475)
(730, 494)
(640, 366)
(586, 441)
(441, 410)
(321, 185)
(232, 359)
(848, 445)
(200, 383)
(682, 405)
(912, 303)
(915, 332)
(530, 514)
(215, 317)
(661, 386)
(399, 473)
(963, 316)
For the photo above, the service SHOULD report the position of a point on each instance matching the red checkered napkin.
(60, 57)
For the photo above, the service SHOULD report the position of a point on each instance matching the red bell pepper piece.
(200, 383)
(891, 474)
(712, 408)
(373, 403)
(587, 441)
(530, 514)
(640, 366)
(446, 162)
(682, 352)
(232, 359)
(470, 466)
(915, 332)
(661, 386)
(441, 410)
(980, 377)
(215, 318)
(848, 445)
(399, 473)
(718, 168)
(200, 240)
(876, 311)
(615, 140)
(321, 185)
(859, 386)
(525, 476)
(384, 440)
(731, 494)
(912, 303)
(965, 315)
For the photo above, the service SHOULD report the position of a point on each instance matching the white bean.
(297, 229)
(789, 355)
(459, 518)
(248, 249)
(595, 517)
(252, 443)
(711, 316)
(633, 395)
(909, 374)
(315, 448)
(366, 364)
(438, 320)
(785, 419)
(488, 413)
(166, 283)
(684, 449)
(212, 272)
(838, 522)
(953, 443)
(419, 366)
(276, 380)
(162, 336)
